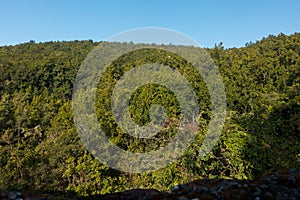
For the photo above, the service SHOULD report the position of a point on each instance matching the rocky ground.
(278, 185)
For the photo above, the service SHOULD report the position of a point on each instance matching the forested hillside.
(40, 148)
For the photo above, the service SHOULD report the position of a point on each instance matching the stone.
(215, 188)
(268, 195)
(263, 186)
(275, 176)
(291, 179)
(176, 187)
(257, 192)
(235, 185)
(203, 189)
(293, 171)
(12, 195)
(186, 188)
(242, 192)
(182, 198)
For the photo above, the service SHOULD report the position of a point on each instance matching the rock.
(293, 171)
(14, 195)
(235, 185)
(203, 189)
(242, 192)
(291, 179)
(275, 176)
(263, 186)
(257, 192)
(176, 187)
(281, 186)
(268, 195)
(215, 188)
(183, 198)
(186, 188)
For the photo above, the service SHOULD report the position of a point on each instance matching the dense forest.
(41, 150)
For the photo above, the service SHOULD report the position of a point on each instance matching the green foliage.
(86, 176)
(41, 150)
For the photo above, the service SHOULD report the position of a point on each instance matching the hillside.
(41, 151)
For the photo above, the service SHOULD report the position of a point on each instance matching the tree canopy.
(40, 148)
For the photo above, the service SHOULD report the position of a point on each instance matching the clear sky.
(233, 22)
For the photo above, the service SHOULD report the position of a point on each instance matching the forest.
(40, 148)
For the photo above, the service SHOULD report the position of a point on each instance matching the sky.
(209, 22)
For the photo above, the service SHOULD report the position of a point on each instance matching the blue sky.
(233, 22)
